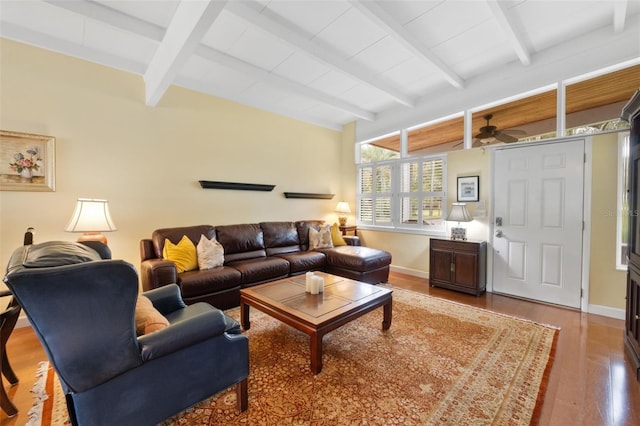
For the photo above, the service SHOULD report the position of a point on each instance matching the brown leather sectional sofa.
(253, 254)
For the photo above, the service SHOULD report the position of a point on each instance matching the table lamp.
(91, 217)
(343, 208)
(459, 213)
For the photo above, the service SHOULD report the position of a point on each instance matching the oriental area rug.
(441, 362)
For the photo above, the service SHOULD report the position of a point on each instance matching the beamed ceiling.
(334, 62)
(614, 87)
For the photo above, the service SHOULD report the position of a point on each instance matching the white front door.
(538, 220)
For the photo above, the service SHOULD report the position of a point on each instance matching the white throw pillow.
(320, 238)
(210, 253)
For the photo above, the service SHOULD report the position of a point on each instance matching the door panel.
(538, 198)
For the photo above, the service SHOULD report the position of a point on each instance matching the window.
(623, 201)
(403, 194)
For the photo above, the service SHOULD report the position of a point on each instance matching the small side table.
(348, 228)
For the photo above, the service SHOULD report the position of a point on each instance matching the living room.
(147, 161)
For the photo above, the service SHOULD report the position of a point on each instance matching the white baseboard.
(409, 271)
(606, 311)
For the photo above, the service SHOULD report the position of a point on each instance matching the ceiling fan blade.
(501, 136)
(484, 135)
(514, 132)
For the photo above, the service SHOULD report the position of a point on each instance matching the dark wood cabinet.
(458, 265)
(631, 113)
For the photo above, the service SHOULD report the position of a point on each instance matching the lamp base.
(342, 220)
(93, 236)
(458, 233)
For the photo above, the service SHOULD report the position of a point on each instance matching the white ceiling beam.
(272, 79)
(619, 15)
(375, 13)
(499, 12)
(112, 17)
(137, 26)
(272, 24)
(189, 24)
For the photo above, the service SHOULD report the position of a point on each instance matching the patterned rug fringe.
(40, 395)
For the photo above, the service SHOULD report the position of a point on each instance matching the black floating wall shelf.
(210, 184)
(308, 195)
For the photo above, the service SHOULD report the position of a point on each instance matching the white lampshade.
(343, 207)
(91, 217)
(459, 213)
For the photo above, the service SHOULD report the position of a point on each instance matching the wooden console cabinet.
(458, 265)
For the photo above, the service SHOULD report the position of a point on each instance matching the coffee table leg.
(244, 316)
(316, 353)
(386, 320)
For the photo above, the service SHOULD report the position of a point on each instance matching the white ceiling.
(334, 61)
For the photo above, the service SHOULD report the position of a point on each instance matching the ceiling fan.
(489, 134)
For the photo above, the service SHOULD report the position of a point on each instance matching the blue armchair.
(82, 310)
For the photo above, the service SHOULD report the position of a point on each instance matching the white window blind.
(403, 194)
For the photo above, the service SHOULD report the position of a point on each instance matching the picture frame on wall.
(468, 188)
(27, 162)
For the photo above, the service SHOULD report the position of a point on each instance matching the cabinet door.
(466, 271)
(441, 261)
(632, 323)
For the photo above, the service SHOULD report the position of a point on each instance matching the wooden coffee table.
(343, 300)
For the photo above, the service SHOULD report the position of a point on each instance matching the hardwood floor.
(591, 381)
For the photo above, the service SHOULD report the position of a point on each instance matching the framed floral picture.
(27, 162)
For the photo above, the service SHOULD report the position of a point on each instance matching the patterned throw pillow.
(210, 253)
(182, 254)
(320, 238)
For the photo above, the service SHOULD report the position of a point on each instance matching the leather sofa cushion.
(303, 261)
(175, 235)
(241, 242)
(198, 283)
(261, 269)
(280, 237)
(357, 258)
(303, 231)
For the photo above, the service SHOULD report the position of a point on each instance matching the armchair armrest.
(157, 273)
(166, 299)
(182, 334)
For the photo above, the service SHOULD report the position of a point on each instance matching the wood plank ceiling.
(585, 95)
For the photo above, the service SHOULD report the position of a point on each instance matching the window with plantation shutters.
(403, 194)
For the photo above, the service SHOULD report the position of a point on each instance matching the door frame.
(586, 208)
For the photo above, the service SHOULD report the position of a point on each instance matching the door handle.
(499, 233)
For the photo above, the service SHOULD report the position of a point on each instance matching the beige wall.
(608, 285)
(147, 161)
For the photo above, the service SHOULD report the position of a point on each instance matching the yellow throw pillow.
(183, 254)
(336, 236)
